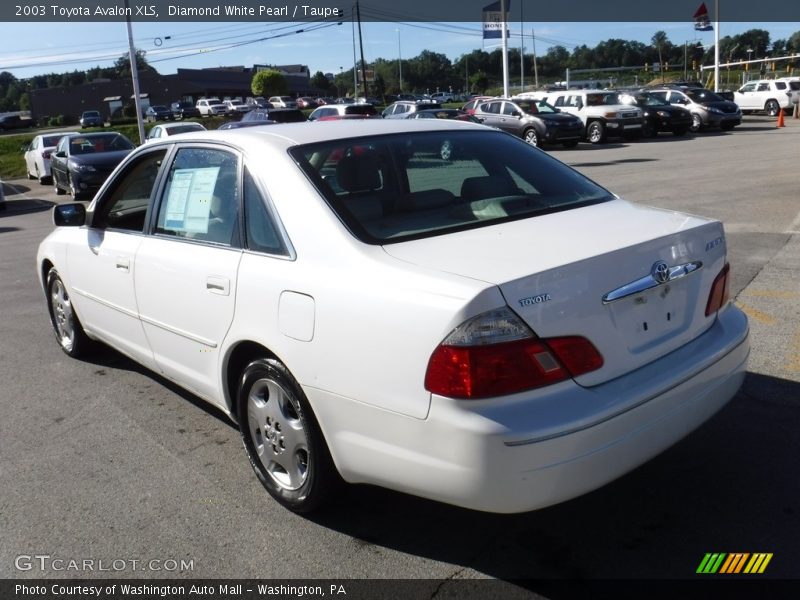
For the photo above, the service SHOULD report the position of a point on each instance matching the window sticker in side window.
(189, 199)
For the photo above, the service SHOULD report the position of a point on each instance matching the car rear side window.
(201, 197)
(397, 187)
(260, 229)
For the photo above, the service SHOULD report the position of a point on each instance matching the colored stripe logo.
(734, 563)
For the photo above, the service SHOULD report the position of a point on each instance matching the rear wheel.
(282, 438)
(772, 108)
(596, 132)
(68, 329)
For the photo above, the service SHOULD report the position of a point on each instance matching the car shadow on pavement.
(16, 207)
(730, 486)
(105, 357)
(614, 162)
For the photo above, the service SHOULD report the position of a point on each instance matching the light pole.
(399, 62)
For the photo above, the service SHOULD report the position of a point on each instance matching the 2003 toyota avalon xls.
(493, 331)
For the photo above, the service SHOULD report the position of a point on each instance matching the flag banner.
(701, 22)
(493, 20)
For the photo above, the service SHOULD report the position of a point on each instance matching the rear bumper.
(531, 450)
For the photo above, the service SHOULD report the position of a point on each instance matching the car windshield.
(534, 107)
(104, 142)
(650, 100)
(398, 187)
(184, 128)
(704, 96)
(91, 113)
(602, 98)
(360, 109)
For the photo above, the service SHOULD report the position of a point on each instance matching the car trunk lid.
(594, 272)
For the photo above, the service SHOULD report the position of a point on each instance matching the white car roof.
(286, 135)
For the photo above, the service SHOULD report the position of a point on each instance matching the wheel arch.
(237, 358)
(44, 270)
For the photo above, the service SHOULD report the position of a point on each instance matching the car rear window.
(360, 109)
(398, 187)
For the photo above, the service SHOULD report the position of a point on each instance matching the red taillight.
(495, 354)
(493, 370)
(720, 291)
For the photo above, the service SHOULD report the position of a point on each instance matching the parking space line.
(756, 314)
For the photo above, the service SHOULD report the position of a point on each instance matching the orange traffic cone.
(780, 118)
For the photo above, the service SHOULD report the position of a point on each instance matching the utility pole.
(535, 70)
(361, 45)
(355, 63)
(137, 101)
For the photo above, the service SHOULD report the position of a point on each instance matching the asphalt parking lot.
(103, 459)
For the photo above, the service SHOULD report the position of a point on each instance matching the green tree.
(122, 66)
(269, 82)
(478, 82)
(320, 82)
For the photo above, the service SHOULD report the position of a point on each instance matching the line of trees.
(475, 71)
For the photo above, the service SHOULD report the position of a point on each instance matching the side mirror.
(60, 154)
(69, 215)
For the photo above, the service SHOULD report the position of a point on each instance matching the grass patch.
(12, 159)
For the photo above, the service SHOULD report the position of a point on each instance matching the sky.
(29, 49)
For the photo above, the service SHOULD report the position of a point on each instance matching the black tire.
(531, 137)
(570, 143)
(772, 108)
(57, 188)
(596, 132)
(282, 438)
(649, 130)
(66, 325)
(697, 123)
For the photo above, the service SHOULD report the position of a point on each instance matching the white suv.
(601, 111)
(209, 107)
(767, 95)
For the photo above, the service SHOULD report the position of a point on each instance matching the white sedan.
(159, 132)
(493, 331)
(37, 156)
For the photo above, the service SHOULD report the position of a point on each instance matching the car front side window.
(125, 206)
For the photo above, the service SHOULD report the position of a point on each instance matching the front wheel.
(697, 124)
(68, 329)
(282, 438)
(596, 133)
(531, 137)
(57, 188)
(649, 130)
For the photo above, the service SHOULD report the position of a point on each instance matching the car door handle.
(123, 263)
(218, 285)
